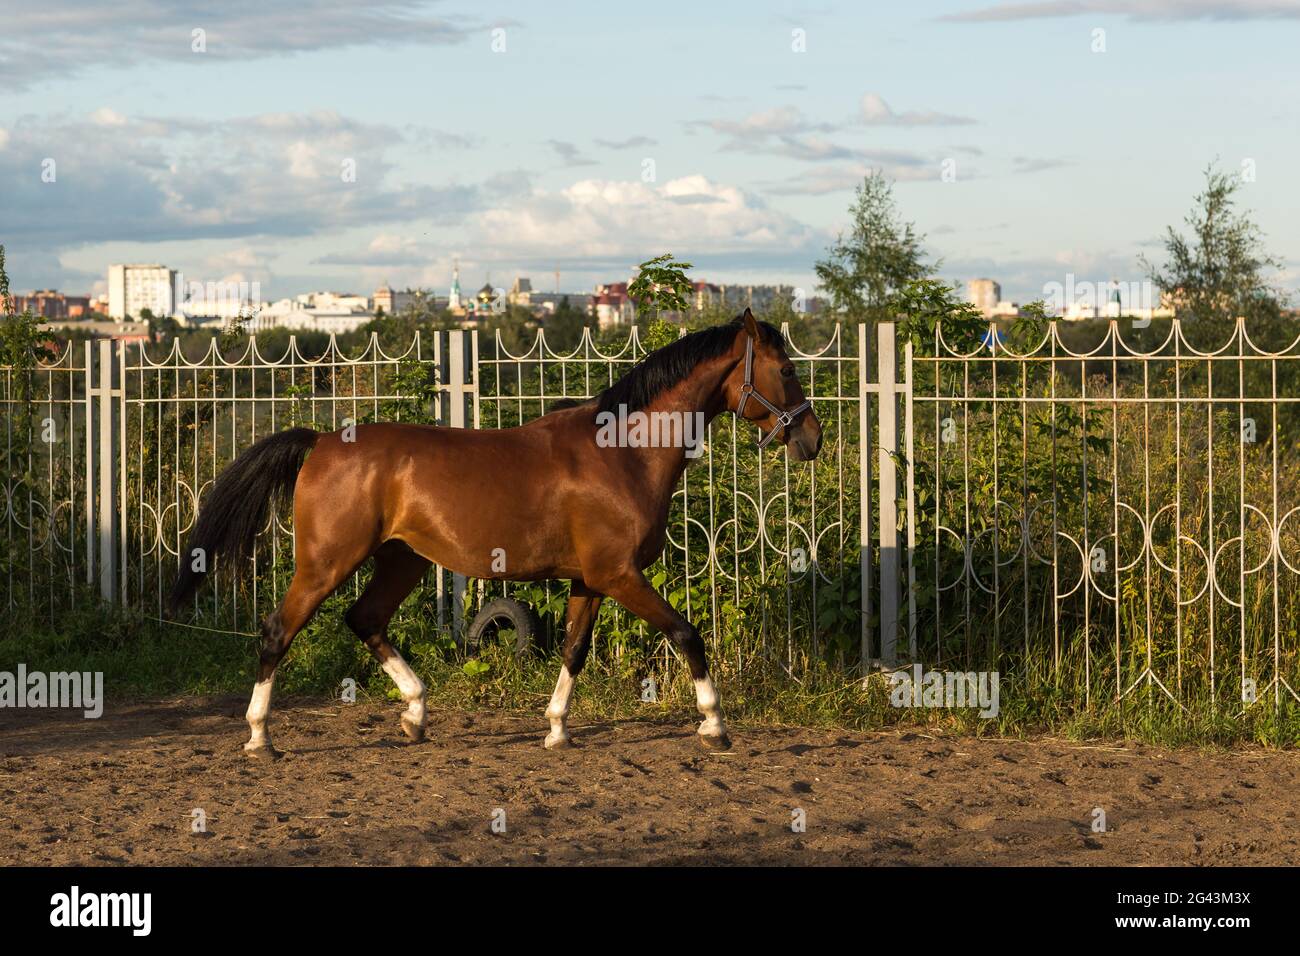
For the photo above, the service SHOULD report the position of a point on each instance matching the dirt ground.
(349, 789)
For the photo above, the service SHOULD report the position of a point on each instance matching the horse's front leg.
(635, 593)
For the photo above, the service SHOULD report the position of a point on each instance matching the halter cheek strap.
(784, 419)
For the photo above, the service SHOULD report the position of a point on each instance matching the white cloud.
(158, 179)
(630, 143)
(303, 159)
(569, 153)
(844, 178)
(779, 121)
(75, 34)
(385, 251)
(1150, 10)
(105, 116)
(603, 219)
(874, 111)
(786, 131)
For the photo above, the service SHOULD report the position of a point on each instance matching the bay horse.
(546, 500)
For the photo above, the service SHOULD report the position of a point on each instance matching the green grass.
(143, 658)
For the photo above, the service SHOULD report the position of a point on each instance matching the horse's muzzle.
(805, 439)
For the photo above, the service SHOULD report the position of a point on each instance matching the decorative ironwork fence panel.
(1113, 515)
(44, 508)
(186, 418)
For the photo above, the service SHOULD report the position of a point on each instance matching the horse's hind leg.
(398, 570)
(310, 586)
(583, 607)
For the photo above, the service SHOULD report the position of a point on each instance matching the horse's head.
(765, 390)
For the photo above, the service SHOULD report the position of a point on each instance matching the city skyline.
(392, 141)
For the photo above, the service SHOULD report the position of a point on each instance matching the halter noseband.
(784, 419)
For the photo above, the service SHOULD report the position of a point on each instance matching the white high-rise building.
(984, 294)
(134, 288)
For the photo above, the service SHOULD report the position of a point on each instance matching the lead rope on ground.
(200, 627)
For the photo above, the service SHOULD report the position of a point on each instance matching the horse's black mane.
(665, 367)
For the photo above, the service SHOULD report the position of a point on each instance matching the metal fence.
(1118, 514)
(45, 486)
(184, 420)
(1122, 511)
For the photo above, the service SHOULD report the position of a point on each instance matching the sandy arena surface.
(350, 789)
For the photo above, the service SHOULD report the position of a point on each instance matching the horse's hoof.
(559, 743)
(719, 742)
(263, 752)
(412, 730)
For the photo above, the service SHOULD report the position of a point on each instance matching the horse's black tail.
(236, 508)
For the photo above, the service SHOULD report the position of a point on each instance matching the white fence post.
(864, 495)
(909, 449)
(439, 350)
(104, 449)
(91, 546)
(887, 417)
(461, 389)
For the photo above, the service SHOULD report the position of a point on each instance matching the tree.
(22, 348)
(564, 327)
(1220, 271)
(879, 258)
(22, 343)
(662, 283)
(162, 328)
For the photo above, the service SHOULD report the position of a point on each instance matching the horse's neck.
(698, 399)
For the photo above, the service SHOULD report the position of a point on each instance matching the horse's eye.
(787, 372)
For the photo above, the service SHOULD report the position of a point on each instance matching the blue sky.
(227, 164)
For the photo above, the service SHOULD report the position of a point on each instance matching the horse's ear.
(751, 325)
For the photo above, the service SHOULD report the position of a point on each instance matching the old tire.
(503, 614)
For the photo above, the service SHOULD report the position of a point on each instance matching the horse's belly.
(491, 533)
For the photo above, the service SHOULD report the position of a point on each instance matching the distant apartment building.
(762, 299)
(1079, 311)
(706, 295)
(1076, 300)
(199, 302)
(117, 331)
(984, 294)
(521, 293)
(136, 287)
(393, 302)
(546, 303)
(331, 312)
(611, 305)
(52, 304)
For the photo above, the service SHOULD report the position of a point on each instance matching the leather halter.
(784, 419)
